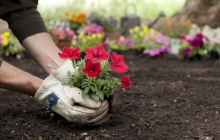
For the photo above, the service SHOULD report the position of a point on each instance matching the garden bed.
(169, 99)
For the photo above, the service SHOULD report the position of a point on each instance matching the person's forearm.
(14, 79)
(44, 51)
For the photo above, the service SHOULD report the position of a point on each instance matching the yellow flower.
(6, 34)
(6, 53)
(145, 29)
(15, 49)
(88, 37)
(122, 38)
(136, 29)
(135, 36)
(74, 42)
(84, 40)
(143, 25)
(4, 42)
(141, 34)
(131, 31)
(152, 30)
(99, 35)
(93, 36)
(80, 35)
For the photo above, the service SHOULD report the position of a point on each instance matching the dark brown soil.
(170, 99)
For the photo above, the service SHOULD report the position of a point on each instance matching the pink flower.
(70, 32)
(187, 51)
(54, 32)
(93, 28)
(62, 35)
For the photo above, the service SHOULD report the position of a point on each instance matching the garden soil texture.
(169, 99)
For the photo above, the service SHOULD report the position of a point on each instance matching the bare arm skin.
(17, 80)
(44, 51)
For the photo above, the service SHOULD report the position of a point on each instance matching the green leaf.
(92, 88)
(84, 92)
(95, 97)
(101, 95)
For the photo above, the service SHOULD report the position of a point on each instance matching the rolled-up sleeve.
(23, 18)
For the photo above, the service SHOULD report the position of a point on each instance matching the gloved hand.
(68, 102)
(61, 75)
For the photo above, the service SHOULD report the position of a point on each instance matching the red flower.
(118, 63)
(125, 81)
(92, 69)
(70, 53)
(96, 53)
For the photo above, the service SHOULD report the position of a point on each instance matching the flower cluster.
(109, 23)
(92, 74)
(122, 44)
(194, 45)
(76, 20)
(9, 45)
(138, 33)
(174, 28)
(59, 30)
(156, 44)
(87, 40)
(93, 28)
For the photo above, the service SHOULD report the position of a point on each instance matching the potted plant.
(156, 45)
(109, 24)
(76, 20)
(10, 46)
(121, 45)
(93, 73)
(194, 47)
(137, 34)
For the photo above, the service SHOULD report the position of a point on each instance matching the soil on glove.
(170, 99)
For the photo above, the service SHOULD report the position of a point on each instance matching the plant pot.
(159, 56)
(111, 36)
(213, 55)
(63, 43)
(196, 57)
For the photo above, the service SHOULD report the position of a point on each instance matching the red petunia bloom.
(118, 63)
(125, 81)
(72, 53)
(92, 69)
(96, 53)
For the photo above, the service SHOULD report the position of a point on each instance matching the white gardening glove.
(61, 72)
(68, 102)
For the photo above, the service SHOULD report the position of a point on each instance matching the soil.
(170, 99)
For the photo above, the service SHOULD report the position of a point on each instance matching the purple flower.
(187, 51)
(93, 28)
(145, 51)
(164, 48)
(154, 52)
(166, 43)
(125, 41)
(186, 38)
(159, 38)
(197, 41)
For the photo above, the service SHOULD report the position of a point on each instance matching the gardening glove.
(61, 72)
(68, 102)
(61, 75)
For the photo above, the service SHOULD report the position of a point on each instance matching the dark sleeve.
(23, 18)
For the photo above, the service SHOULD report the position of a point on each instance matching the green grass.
(146, 9)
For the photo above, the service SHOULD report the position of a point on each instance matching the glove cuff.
(61, 73)
(43, 93)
